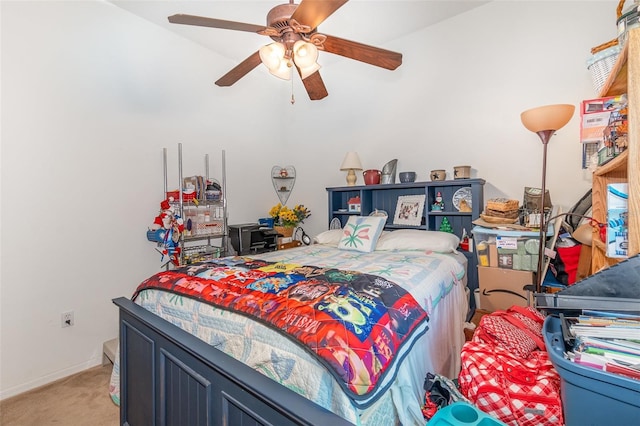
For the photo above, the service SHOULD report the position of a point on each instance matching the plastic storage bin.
(507, 249)
(461, 414)
(590, 396)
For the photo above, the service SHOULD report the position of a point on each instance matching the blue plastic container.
(266, 221)
(591, 396)
(462, 414)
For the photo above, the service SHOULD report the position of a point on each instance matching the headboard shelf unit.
(385, 197)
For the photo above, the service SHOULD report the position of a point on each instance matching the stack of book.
(607, 341)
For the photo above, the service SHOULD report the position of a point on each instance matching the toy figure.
(438, 206)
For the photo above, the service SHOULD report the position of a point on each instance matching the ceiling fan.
(294, 28)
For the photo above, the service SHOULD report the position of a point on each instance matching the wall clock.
(463, 193)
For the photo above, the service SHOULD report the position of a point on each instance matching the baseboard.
(49, 378)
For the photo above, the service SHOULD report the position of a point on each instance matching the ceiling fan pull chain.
(293, 100)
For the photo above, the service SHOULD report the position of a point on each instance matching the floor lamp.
(545, 121)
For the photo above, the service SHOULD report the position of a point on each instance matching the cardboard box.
(502, 288)
(617, 220)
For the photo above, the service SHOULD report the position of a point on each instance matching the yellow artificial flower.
(284, 216)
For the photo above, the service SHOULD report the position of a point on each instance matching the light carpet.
(78, 400)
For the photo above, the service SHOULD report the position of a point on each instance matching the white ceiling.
(372, 22)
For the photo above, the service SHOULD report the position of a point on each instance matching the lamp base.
(351, 178)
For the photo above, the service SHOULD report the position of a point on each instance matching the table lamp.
(351, 163)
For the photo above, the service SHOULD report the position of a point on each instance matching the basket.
(630, 19)
(208, 228)
(185, 196)
(603, 57)
(600, 65)
(285, 231)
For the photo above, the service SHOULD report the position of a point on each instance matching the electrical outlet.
(67, 319)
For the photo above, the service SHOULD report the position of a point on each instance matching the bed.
(184, 361)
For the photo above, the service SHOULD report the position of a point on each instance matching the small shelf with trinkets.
(283, 179)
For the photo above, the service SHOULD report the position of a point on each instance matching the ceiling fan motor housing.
(279, 16)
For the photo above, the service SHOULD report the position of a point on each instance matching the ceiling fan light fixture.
(272, 55)
(307, 71)
(305, 54)
(283, 70)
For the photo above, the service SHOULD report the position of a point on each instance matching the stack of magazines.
(606, 341)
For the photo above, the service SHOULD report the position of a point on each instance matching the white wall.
(91, 95)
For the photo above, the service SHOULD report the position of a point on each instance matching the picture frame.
(409, 210)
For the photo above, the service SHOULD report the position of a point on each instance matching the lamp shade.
(548, 117)
(272, 55)
(283, 70)
(351, 162)
(305, 54)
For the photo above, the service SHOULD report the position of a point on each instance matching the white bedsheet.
(436, 281)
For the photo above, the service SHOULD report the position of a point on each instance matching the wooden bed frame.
(169, 377)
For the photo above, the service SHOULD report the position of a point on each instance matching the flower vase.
(285, 231)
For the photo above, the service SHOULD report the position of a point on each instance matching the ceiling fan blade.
(240, 70)
(362, 52)
(314, 12)
(314, 85)
(201, 21)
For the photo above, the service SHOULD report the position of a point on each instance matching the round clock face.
(462, 194)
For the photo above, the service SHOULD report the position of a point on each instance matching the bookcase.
(624, 78)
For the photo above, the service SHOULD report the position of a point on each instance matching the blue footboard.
(169, 377)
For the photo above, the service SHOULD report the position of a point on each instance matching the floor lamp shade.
(549, 117)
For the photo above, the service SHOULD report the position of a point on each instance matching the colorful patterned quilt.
(354, 322)
(436, 281)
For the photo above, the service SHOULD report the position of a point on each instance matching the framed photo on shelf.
(409, 210)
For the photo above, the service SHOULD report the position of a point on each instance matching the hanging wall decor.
(283, 178)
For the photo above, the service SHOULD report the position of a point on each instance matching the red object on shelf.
(464, 244)
(185, 197)
(371, 177)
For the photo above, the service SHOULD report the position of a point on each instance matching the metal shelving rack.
(190, 253)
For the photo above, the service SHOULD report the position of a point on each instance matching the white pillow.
(361, 233)
(414, 239)
(331, 237)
